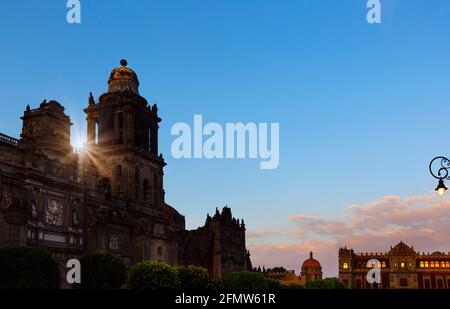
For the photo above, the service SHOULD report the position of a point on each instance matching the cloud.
(420, 221)
(261, 234)
(292, 255)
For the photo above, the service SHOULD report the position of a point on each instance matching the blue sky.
(362, 108)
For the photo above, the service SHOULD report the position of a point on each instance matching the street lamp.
(441, 173)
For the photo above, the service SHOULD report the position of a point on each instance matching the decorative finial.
(91, 99)
(123, 62)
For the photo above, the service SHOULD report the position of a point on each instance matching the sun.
(78, 141)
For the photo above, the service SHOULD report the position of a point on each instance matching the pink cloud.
(292, 255)
(261, 234)
(420, 221)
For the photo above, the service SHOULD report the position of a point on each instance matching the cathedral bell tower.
(122, 116)
(122, 132)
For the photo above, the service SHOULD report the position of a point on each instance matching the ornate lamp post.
(440, 172)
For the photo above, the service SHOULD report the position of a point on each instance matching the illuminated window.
(383, 264)
(395, 264)
(447, 264)
(432, 264)
(422, 265)
(426, 264)
(402, 265)
(442, 264)
(436, 264)
(345, 266)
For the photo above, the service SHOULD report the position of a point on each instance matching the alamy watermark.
(74, 14)
(374, 275)
(233, 141)
(74, 274)
(374, 14)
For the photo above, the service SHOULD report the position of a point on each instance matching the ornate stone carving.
(75, 219)
(114, 242)
(6, 200)
(33, 210)
(54, 212)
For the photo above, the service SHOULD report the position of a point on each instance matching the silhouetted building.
(109, 195)
(401, 267)
(310, 270)
(219, 244)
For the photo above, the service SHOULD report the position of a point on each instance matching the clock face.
(6, 200)
(54, 212)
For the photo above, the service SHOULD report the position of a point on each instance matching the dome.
(311, 262)
(123, 79)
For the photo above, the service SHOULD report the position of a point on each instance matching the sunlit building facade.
(402, 267)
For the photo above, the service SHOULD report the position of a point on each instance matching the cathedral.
(401, 268)
(108, 195)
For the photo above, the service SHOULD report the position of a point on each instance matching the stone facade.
(222, 244)
(311, 269)
(110, 194)
(401, 267)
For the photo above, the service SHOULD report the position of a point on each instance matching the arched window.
(345, 266)
(96, 132)
(432, 264)
(422, 264)
(75, 220)
(383, 264)
(447, 264)
(120, 127)
(426, 264)
(402, 264)
(114, 242)
(136, 182)
(145, 189)
(119, 172)
(34, 213)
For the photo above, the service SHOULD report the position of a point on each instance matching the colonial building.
(110, 194)
(224, 237)
(401, 267)
(310, 270)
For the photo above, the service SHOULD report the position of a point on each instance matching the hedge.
(27, 268)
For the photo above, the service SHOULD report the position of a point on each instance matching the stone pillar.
(91, 130)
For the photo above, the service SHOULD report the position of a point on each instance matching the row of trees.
(28, 267)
